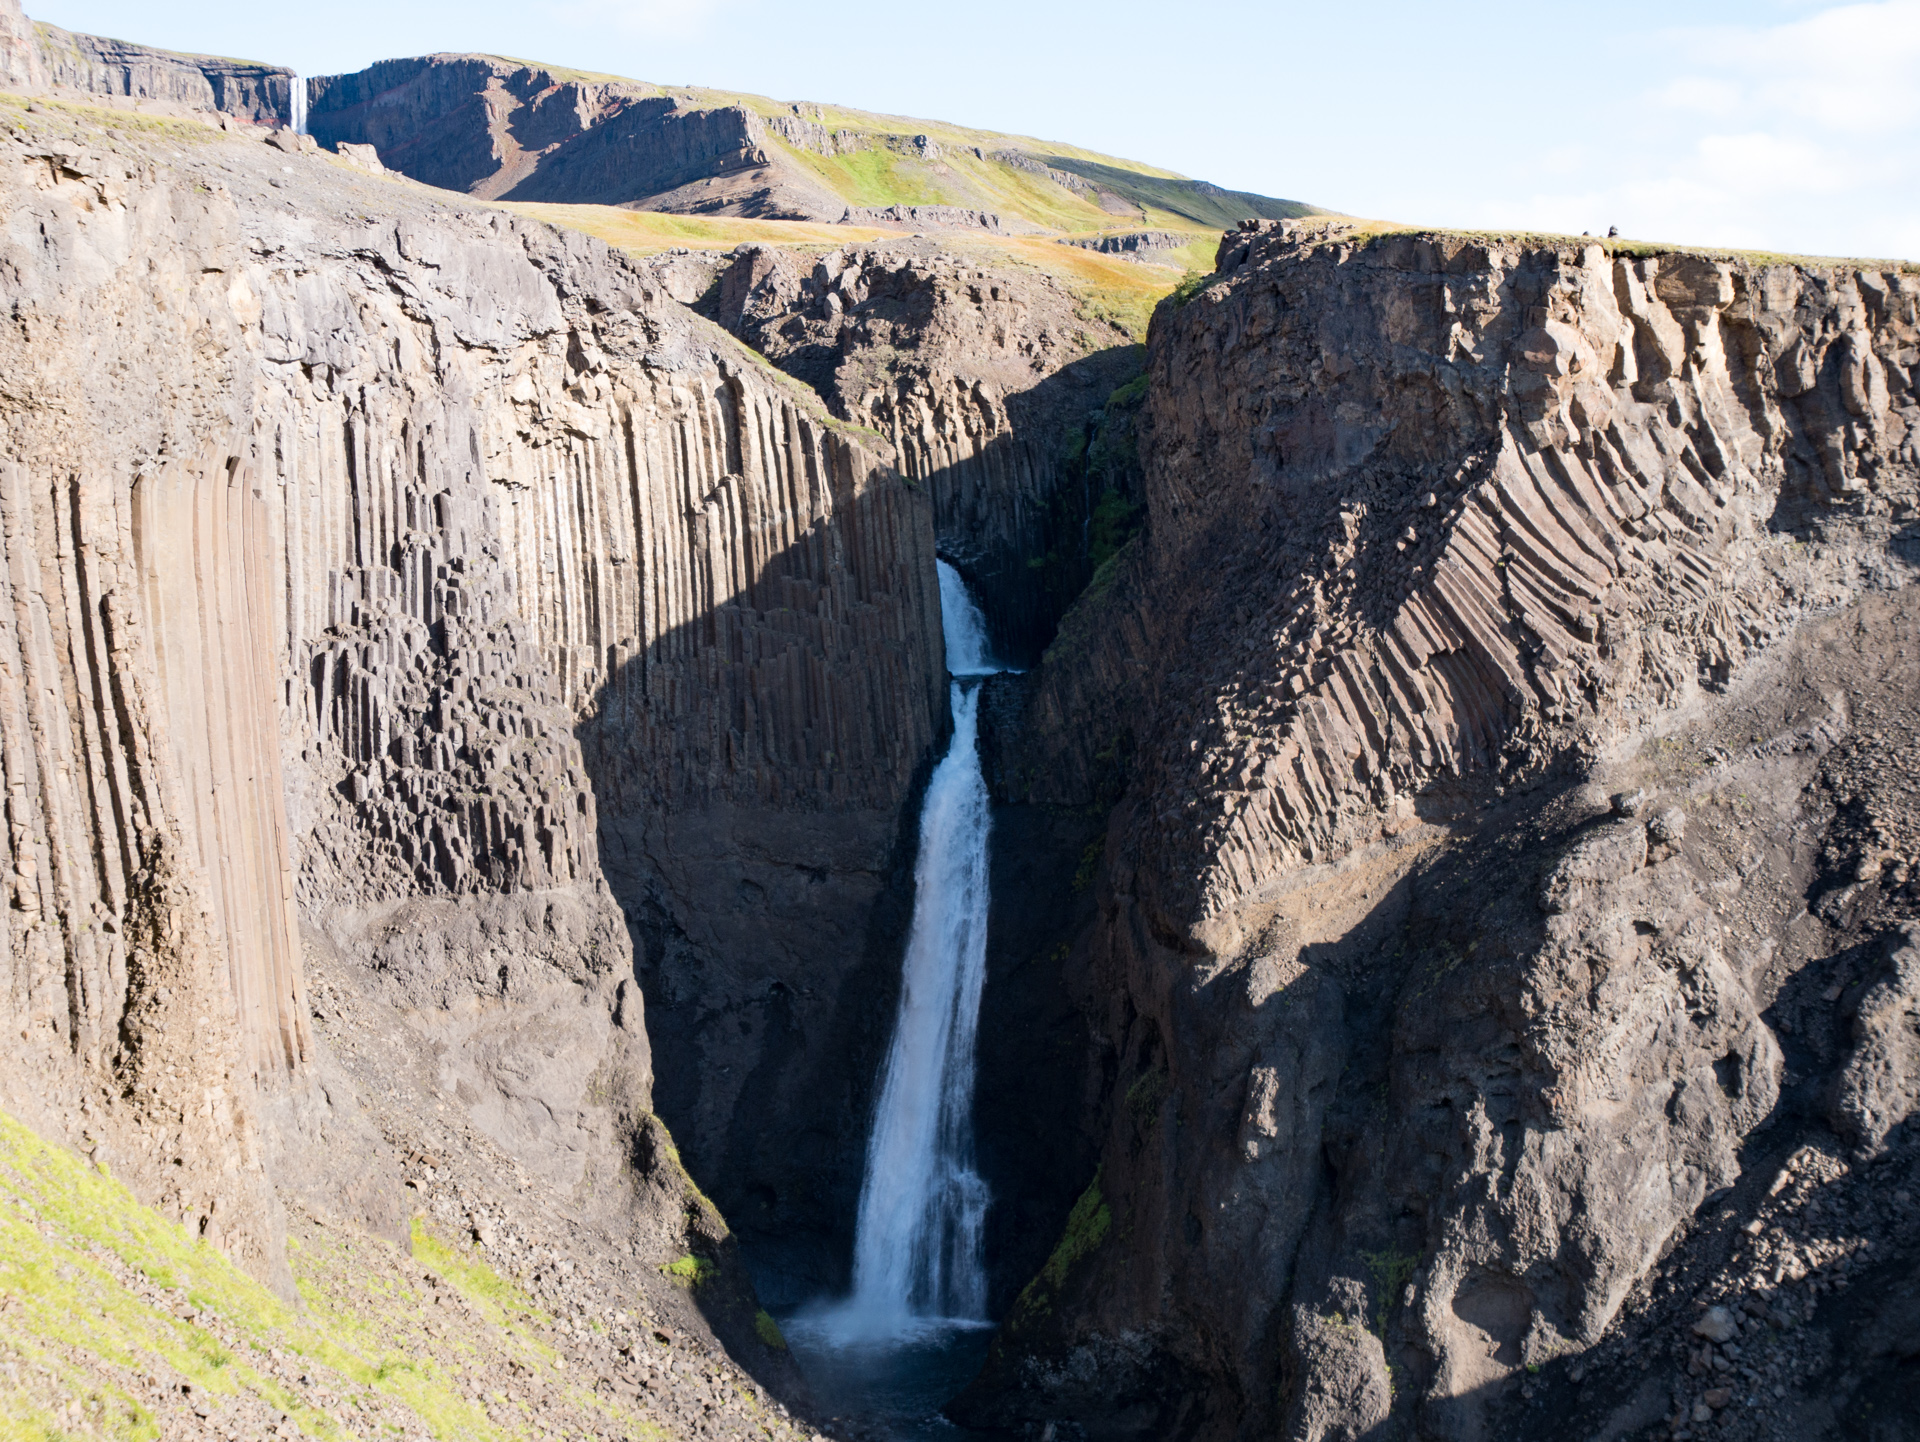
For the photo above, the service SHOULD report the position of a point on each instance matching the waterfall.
(917, 1241)
(297, 103)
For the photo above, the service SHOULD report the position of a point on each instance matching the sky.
(1783, 125)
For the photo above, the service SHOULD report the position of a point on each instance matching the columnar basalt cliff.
(369, 560)
(44, 58)
(988, 382)
(95, 65)
(1423, 1053)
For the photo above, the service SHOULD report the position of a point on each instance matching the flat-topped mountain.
(501, 128)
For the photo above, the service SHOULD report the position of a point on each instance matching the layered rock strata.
(1423, 1054)
(1149, 247)
(34, 58)
(989, 382)
(335, 520)
(498, 128)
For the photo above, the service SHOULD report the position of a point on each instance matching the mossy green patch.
(497, 1299)
(694, 1271)
(98, 1292)
(769, 1331)
(1087, 1227)
(1144, 1097)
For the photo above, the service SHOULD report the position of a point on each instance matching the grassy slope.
(1106, 286)
(106, 1309)
(879, 176)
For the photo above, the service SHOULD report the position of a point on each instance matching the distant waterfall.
(297, 101)
(917, 1243)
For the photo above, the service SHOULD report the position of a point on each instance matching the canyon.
(1450, 847)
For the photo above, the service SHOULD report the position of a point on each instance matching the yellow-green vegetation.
(872, 177)
(768, 1330)
(694, 1271)
(649, 232)
(1087, 1227)
(107, 1309)
(1392, 1271)
(154, 127)
(1106, 287)
(492, 1295)
(1146, 1094)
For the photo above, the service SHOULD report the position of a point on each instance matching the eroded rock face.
(500, 128)
(92, 65)
(1425, 1051)
(989, 383)
(20, 66)
(335, 522)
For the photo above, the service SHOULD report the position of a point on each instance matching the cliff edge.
(1446, 1090)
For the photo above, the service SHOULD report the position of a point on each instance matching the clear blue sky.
(1780, 124)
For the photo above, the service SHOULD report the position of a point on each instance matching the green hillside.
(884, 160)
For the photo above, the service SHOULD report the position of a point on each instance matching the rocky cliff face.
(1425, 1055)
(36, 57)
(498, 128)
(20, 66)
(369, 560)
(991, 381)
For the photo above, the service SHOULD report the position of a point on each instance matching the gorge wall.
(374, 565)
(1426, 1060)
(993, 383)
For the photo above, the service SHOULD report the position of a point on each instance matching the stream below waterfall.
(914, 1331)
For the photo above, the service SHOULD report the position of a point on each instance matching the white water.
(299, 105)
(918, 1264)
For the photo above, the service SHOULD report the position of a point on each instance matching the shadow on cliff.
(757, 773)
(1031, 517)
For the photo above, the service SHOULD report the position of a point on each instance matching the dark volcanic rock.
(993, 386)
(499, 128)
(1425, 1054)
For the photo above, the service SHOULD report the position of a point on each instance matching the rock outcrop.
(1424, 1054)
(1149, 247)
(92, 65)
(369, 560)
(992, 385)
(20, 66)
(936, 217)
(502, 129)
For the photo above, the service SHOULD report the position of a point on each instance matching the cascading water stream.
(918, 1263)
(297, 104)
(917, 1243)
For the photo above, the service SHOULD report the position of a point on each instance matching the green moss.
(769, 1331)
(1391, 1272)
(1184, 293)
(1087, 1227)
(694, 1271)
(497, 1299)
(1146, 1094)
(1132, 393)
(76, 1247)
(1115, 520)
